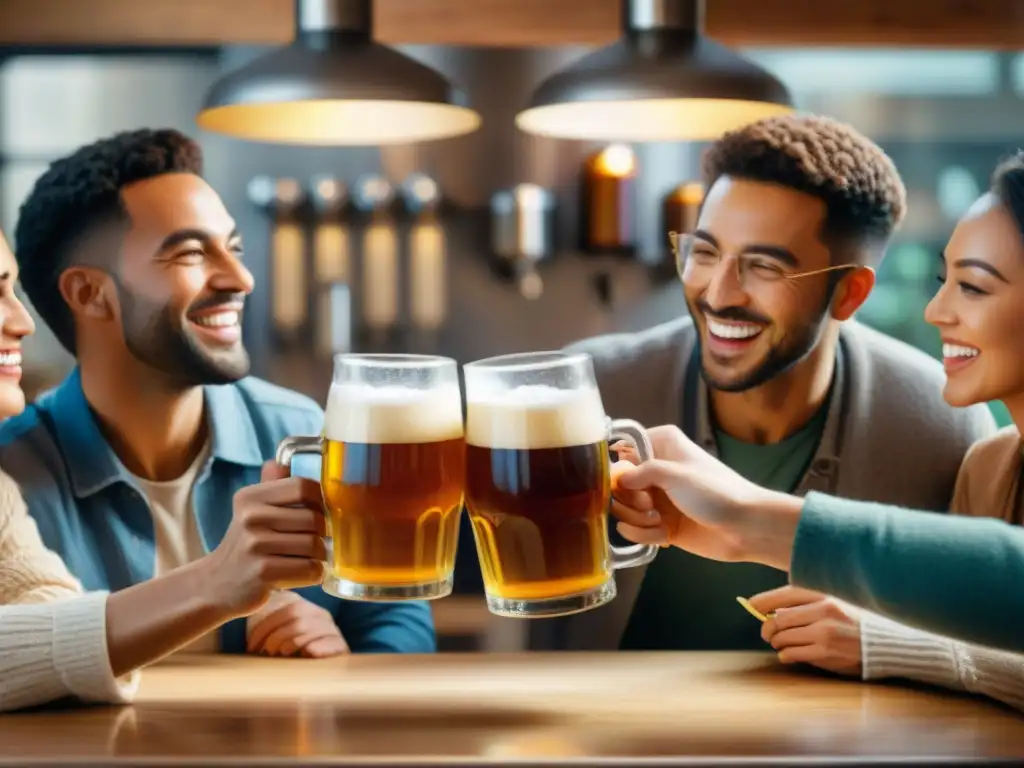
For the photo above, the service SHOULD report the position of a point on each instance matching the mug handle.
(287, 450)
(633, 433)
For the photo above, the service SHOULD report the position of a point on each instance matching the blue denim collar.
(92, 463)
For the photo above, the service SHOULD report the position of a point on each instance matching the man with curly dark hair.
(130, 465)
(771, 373)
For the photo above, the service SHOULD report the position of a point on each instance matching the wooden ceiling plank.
(992, 24)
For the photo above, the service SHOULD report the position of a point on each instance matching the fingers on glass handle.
(287, 450)
(633, 433)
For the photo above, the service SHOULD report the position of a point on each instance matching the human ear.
(88, 292)
(852, 292)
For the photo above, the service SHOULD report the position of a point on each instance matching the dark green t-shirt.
(688, 603)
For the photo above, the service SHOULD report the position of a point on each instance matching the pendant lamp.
(335, 86)
(663, 81)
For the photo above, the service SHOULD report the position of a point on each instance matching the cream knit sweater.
(987, 486)
(53, 639)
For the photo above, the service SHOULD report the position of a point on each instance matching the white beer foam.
(536, 416)
(361, 413)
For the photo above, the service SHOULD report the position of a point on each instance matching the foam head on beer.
(389, 414)
(535, 416)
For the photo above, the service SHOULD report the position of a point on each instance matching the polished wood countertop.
(495, 709)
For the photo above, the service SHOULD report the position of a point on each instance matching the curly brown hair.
(864, 196)
(80, 192)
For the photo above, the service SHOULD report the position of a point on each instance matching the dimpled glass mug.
(538, 483)
(392, 474)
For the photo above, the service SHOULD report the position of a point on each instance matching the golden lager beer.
(393, 476)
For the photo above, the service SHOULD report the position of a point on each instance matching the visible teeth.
(724, 331)
(10, 359)
(219, 320)
(955, 350)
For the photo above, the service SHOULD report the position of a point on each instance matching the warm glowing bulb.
(689, 194)
(616, 160)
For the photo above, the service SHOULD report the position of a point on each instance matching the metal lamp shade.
(336, 91)
(655, 86)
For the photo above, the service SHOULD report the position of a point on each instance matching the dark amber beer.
(393, 476)
(538, 486)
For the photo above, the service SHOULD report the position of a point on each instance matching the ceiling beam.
(992, 24)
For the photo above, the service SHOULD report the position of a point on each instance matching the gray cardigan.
(889, 436)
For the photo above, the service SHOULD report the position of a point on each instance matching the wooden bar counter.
(493, 709)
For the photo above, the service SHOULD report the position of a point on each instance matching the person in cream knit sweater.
(56, 642)
(52, 638)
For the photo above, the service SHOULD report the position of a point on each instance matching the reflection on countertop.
(499, 709)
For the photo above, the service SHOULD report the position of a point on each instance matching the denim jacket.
(91, 512)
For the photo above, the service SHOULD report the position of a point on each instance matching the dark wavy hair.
(1008, 187)
(78, 194)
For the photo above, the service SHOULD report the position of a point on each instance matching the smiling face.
(754, 324)
(15, 324)
(978, 306)
(181, 283)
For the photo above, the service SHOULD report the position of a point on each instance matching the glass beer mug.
(392, 475)
(538, 484)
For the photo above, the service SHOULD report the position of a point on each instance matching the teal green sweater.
(962, 577)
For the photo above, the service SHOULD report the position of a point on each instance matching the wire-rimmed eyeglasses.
(696, 258)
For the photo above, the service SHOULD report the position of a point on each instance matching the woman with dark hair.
(910, 567)
(977, 311)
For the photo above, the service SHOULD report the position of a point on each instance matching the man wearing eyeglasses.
(771, 373)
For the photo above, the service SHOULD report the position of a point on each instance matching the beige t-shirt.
(178, 541)
(176, 531)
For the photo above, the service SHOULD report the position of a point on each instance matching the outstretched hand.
(686, 498)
